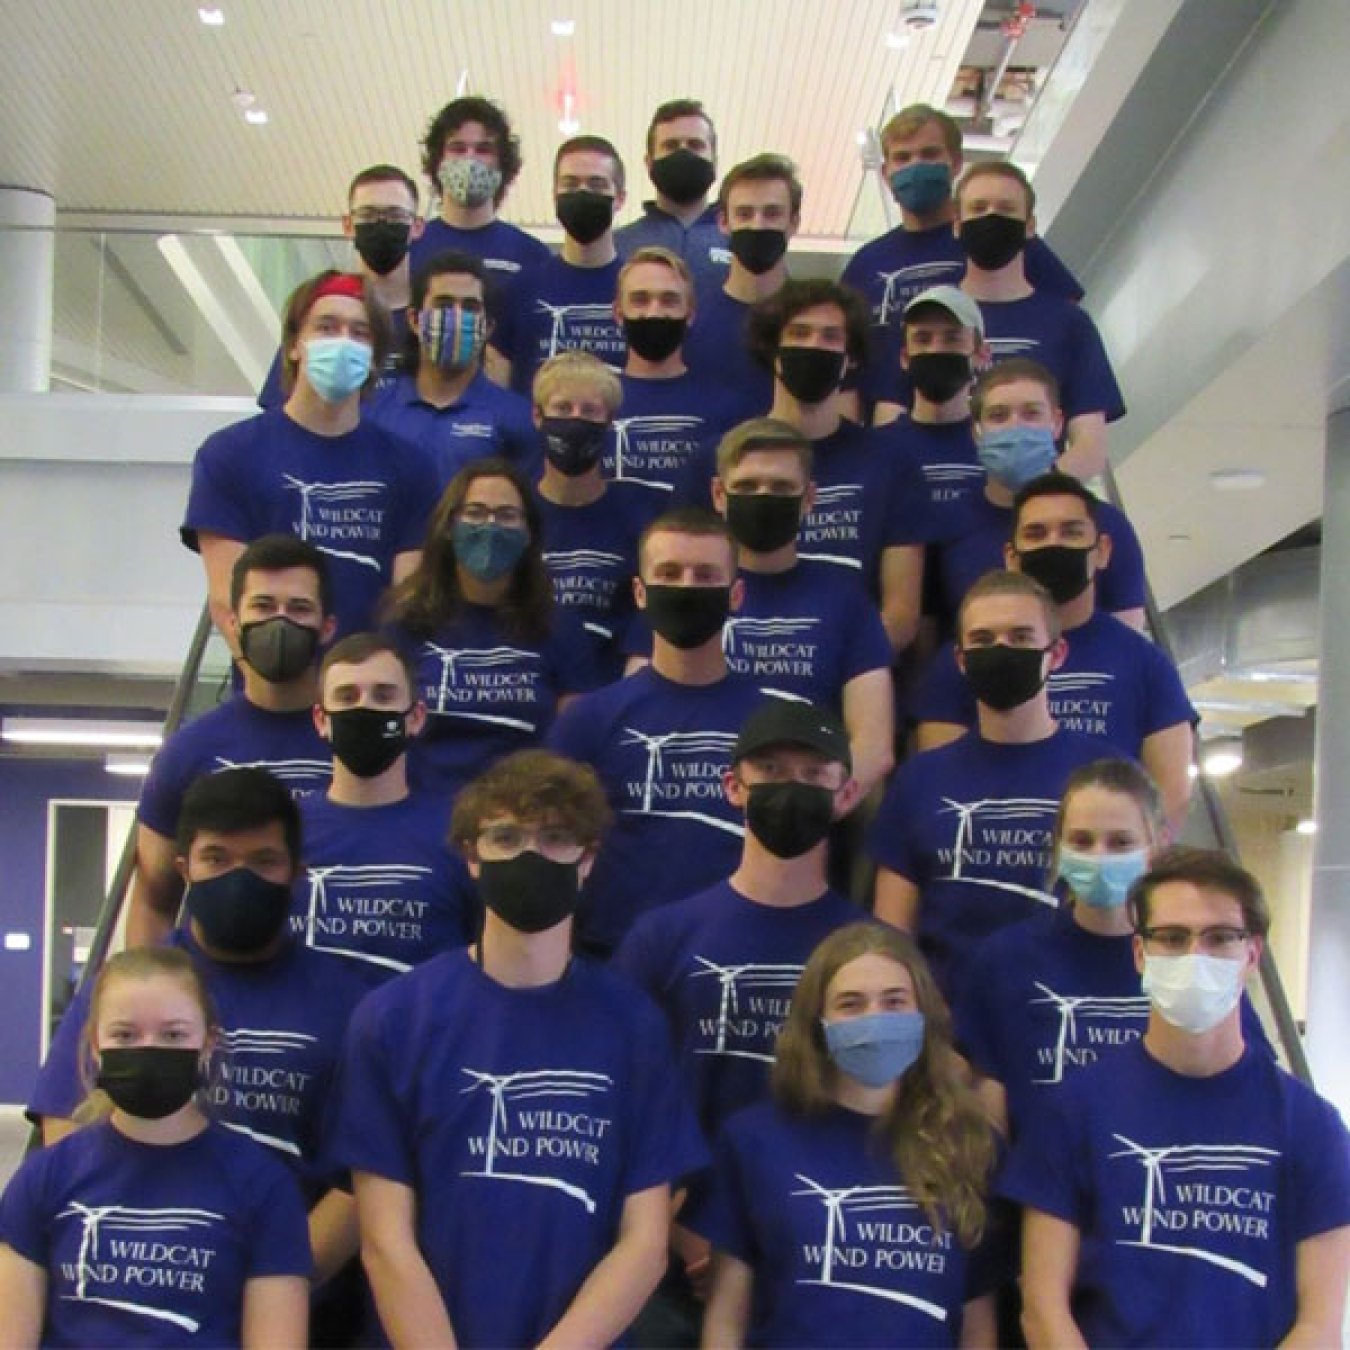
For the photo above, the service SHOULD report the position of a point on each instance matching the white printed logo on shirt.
(902, 285)
(764, 648)
(302, 777)
(587, 578)
(1100, 1021)
(347, 921)
(590, 327)
(1000, 832)
(1191, 1190)
(652, 444)
(767, 990)
(1081, 700)
(536, 1115)
(951, 482)
(246, 1083)
(477, 676)
(684, 770)
(338, 517)
(152, 1252)
(835, 519)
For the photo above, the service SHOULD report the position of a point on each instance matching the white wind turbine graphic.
(1069, 1006)
(332, 492)
(356, 876)
(560, 314)
(677, 742)
(651, 423)
(731, 979)
(996, 809)
(472, 658)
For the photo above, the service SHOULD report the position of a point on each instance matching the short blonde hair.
(571, 368)
(762, 433)
(663, 257)
(911, 120)
(1001, 582)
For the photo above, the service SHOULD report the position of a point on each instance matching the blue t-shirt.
(975, 546)
(722, 967)
(802, 634)
(557, 307)
(523, 1119)
(1191, 1195)
(1114, 684)
(715, 351)
(970, 825)
(842, 1254)
(660, 749)
(1044, 998)
(381, 888)
(701, 244)
(272, 395)
(236, 735)
(591, 555)
(506, 250)
(942, 455)
(487, 693)
(485, 420)
(361, 499)
(152, 1244)
(281, 1026)
(660, 428)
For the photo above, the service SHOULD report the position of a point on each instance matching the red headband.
(340, 283)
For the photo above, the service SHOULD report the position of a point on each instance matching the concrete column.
(26, 254)
(1329, 929)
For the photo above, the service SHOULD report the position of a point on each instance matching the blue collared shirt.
(702, 244)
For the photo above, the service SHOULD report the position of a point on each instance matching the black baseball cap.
(780, 721)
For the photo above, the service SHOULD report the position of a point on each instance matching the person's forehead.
(383, 192)
(585, 164)
(676, 546)
(270, 834)
(870, 972)
(684, 126)
(1095, 806)
(825, 315)
(470, 131)
(455, 286)
(935, 318)
(1052, 510)
(377, 668)
(285, 582)
(1004, 611)
(930, 133)
(346, 307)
(793, 752)
(159, 995)
(493, 492)
(1017, 393)
(770, 461)
(652, 276)
(1183, 902)
(758, 192)
(994, 187)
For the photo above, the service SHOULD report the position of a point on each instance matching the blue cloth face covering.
(488, 551)
(875, 1049)
(923, 187)
(1101, 880)
(337, 367)
(1014, 455)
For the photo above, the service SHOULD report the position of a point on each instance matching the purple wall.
(26, 786)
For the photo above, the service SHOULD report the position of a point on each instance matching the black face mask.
(789, 819)
(810, 374)
(1062, 570)
(238, 911)
(993, 241)
(279, 649)
(655, 339)
(530, 892)
(757, 250)
(573, 445)
(1004, 677)
(687, 616)
(367, 740)
(939, 376)
(382, 244)
(763, 521)
(682, 176)
(584, 215)
(149, 1081)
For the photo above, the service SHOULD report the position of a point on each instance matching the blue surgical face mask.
(336, 366)
(922, 187)
(875, 1049)
(489, 551)
(1101, 880)
(1013, 456)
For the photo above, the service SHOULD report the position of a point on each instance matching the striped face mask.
(451, 335)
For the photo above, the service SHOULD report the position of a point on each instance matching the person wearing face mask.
(492, 661)
(681, 161)
(510, 1113)
(383, 222)
(591, 524)
(315, 467)
(380, 888)
(280, 616)
(660, 739)
(962, 839)
(282, 1008)
(668, 411)
(444, 400)
(1018, 424)
(471, 157)
(566, 302)
(995, 207)
(1114, 682)
(153, 1214)
(922, 159)
(833, 1217)
(759, 208)
(1186, 1191)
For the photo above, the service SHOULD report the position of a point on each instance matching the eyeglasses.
(373, 215)
(476, 513)
(508, 840)
(1220, 940)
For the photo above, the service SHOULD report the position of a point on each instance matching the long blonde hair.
(136, 963)
(937, 1135)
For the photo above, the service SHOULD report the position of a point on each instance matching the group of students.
(513, 899)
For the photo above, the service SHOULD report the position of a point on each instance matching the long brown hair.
(934, 1129)
(430, 596)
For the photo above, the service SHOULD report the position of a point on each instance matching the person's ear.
(1031, 224)
(1010, 559)
(737, 595)
(809, 499)
(417, 718)
(1104, 546)
(639, 593)
(418, 225)
(847, 797)
(536, 415)
(327, 630)
(1137, 947)
(620, 198)
(617, 314)
(348, 229)
(722, 222)
(719, 497)
(320, 720)
(1057, 424)
(736, 792)
(794, 222)
(180, 865)
(1059, 652)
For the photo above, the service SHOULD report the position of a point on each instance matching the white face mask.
(1194, 992)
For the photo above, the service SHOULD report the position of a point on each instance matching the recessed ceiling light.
(897, 42)
(563, 27)
(74, 731)
(1237, 480)
(1306, 826)
(256, 117)
(211, 16)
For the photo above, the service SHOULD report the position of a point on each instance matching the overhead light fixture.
(243, 99)
(256, 117)
(563, 27)
(1237, 480)
(211, 16)
(897, 42)
(1222, 756)
(567, 123)
(1306, 826)
(77, 732)
(129, 766)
